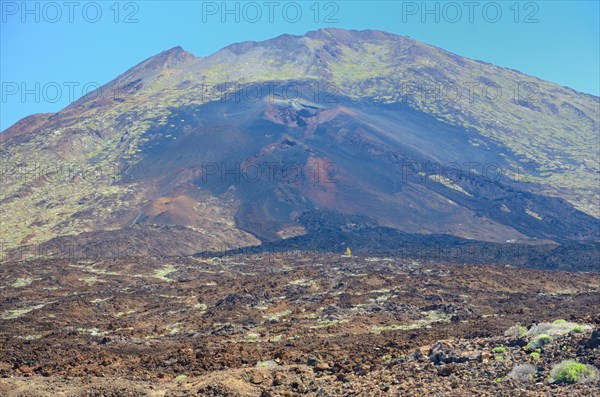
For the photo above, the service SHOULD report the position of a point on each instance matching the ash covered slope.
(241, 145)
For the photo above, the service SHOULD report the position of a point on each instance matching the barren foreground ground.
(285, 325)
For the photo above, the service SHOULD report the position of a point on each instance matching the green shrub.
(539, 341)
(569, 371)
(530, 347)
(535, 356)
(559, 322)
(516, 331)
(577, 329)
(499, 350)
(544, 339)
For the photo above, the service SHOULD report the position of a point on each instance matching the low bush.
(516, 331)
(544, 339)
(523, 373)
(570, 371)
(539, 341)
(557, 328)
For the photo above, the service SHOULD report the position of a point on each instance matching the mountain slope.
(240, 145)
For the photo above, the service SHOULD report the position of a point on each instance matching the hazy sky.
(52, 51)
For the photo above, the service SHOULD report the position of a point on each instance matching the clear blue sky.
(560, 42)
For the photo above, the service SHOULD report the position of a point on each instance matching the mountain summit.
(267, 141)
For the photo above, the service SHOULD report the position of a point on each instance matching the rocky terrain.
(343, 213)
(287, 324)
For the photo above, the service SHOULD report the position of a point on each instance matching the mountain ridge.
(169, 116)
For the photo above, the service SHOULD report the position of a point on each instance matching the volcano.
(263, 142)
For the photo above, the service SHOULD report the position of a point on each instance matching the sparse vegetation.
(92, 331)
(174, 329)
(165, 318)
(395, 327)
(267, 364)
(91, 280)
(16, 313)
(324, 324)
(556, 328)
(31, 337)
(100, 300)
(569, 371)
(302, 282)
(539, 341)
(543, 339)
(163, 273)
(252, 337)
(516, 331)
(23, 282)
(523, 373)
(277, 316)
(430, 317)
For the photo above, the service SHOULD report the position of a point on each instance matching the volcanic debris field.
(292, 323)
